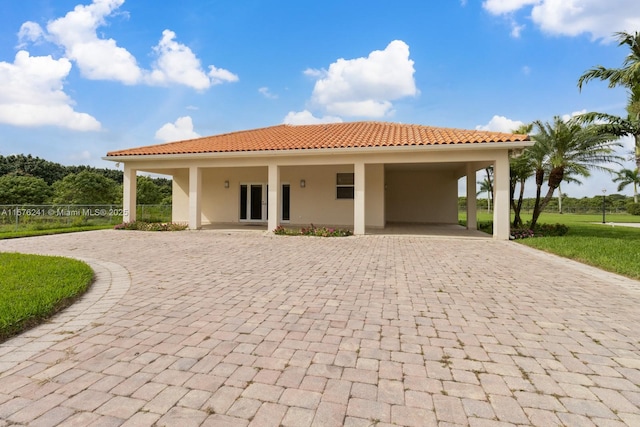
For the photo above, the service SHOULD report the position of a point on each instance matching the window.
(344, 186)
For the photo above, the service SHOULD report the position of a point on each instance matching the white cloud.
(516, 30)
(267, 93)
(501, 124)
(29, 32)
(312, 72)
(574, 17)
(366, 86)
(102, 59)
(32, 94)
(499, 7)
(98, 59)
(307, 118)
(597, 17)
(180, 130)
(176, 63)
(366, 108)
(220, 75)
(567, 117)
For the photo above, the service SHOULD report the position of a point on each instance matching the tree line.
(25, 179)
(613, 203)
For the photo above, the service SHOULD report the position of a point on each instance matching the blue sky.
(79, 78)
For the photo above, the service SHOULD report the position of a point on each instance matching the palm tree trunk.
(512, 193)
(637, 141)
(536, 207)
(559, 199)
(555, 178)
(519, 205)
(547, 198)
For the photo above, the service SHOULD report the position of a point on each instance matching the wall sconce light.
(303, 183)
(226, 184)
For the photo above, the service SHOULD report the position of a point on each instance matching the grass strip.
(34, 287)
(29, 233)
(614, 249)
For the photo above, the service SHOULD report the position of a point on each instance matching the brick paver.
(217, 328)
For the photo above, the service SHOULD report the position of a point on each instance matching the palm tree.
(628, 176)
(568, 149)
(538, 154)
(486, 187)
(628, 77)
(520, 169)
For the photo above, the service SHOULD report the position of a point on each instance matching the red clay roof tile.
(323, 136)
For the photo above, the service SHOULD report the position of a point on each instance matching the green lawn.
(12, 234)
(615, 249)
(34, 287)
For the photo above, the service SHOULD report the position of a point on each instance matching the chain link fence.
(43, 217)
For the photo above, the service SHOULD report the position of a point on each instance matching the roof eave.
(515, 145)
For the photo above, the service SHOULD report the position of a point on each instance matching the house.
(359, 175)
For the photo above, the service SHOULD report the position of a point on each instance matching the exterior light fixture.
(226, 184)
(303, 183)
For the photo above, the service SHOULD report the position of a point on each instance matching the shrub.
(551, 230)
(150, 226)
(540, 230)
(312, 230)
(633, 208)
(522, 233)
(486, 226)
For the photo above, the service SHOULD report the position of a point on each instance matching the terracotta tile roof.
(323, 136)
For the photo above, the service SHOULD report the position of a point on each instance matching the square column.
(472, 200)
(195, 188)
(129, 183)
(274, 198)
(501, 200)
(358, 199)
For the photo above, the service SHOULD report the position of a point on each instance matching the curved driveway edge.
(111, 282)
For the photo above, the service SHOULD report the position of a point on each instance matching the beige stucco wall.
(422, 196)
(374, 198)
(317, 202)
(180, 196)
(220, 204)
(314, 204)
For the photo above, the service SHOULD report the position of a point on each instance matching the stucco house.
(361, 175)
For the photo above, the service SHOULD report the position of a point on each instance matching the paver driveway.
(218, 328)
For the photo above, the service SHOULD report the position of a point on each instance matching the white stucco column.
(358, 199)
(195, 187)
(129, 194)
(472, 205)
(274, 197)
(501, 205)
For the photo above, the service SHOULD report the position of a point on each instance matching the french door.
(253, 202)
